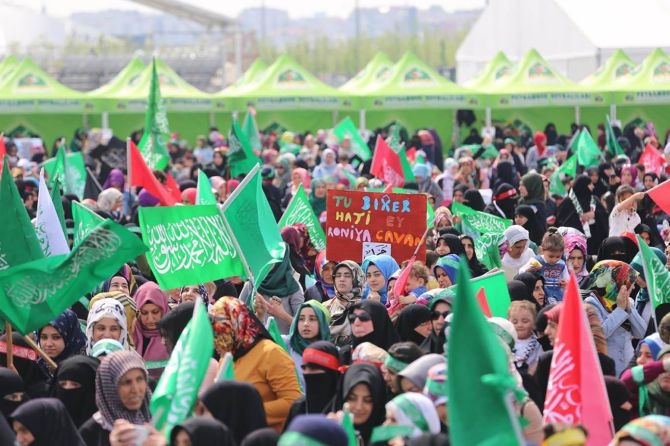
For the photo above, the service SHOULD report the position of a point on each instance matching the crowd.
(355, 346)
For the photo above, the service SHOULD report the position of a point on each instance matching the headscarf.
(383, 335)
(103, 308)
(48, 422)
(505, 199)
(652, 430)
(305, 178)
(342, 301)
(116, 178)
(236, 329)
(450, 265)
(298, 343)
(529, 280)
(108, 198)
(416, 411)
(79, 402)
(387, 265)
(473, 199)
(67, 325)
(533, 226)
(576, 241)
(580, 194)
(10, 382)
(365, 373)
(203, 430)
(129, 308)
(145, 199)
(532, 181)
(292, 236)
(617, 248)
(280, 281)
(6, 434)
(318, 204)
(236, 404)
(606, 279)
(127, 274)
(313, 430)
(25, 362)
(174, 322)
(618, 395)
(476, 267)
(155, 349)
(321, 261)
(189, 195)
(540, 140)
(261, 437)
(453, 242)
(321, 388)
(411, 317)
(202, 292)
(506, 174)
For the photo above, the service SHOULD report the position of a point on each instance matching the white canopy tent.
(574, 36)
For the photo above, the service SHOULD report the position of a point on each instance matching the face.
(550, 331)
(552, 257)
(442, 249)
(320, 191)
(375, 278)
(296, 177)
(390, 378)
(458, 196)
(649, 182)
(626, 177)
(150, 314)
(344, 280)
(576, 259)
(439, 311)
(517, 249)
(181, 439)
(23, 435)
(190, 293)
(51, 341)
(645, 236)
(645, 355)
(360, 328)
(520, 220)
(468, 247)
(408, 386)
(132, 389)
(106, 328)
(308, 323)
(538, 292)
(119, 284)
(327, 273)
(413, 282)
(389, 289)
(424, 328)
(360, 403)
(443, 279)
(522, 190)
(523, 322)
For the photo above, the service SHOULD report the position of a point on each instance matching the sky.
(296, 8)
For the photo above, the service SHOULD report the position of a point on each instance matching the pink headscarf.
(576, 241)
(306, 180)
(155, 350)
(231, 185)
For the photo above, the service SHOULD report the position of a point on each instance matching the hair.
(597, 332)
(431, 258)
(522, 305)
(420, 271)
(621, 190)
(405, 351)
(552, 240)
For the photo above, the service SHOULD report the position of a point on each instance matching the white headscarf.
(417, 411)
(102, 308)
(107, 198)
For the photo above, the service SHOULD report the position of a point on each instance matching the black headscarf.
(411, 317)
(581, 189)
(617, 248)
(48, 422)
(321, 388)
(365, 373)
(33, 376)
(6, 433)
(80, 402)
(504, 200)
(529, 280)
(506, 173)
(618, 395)
(383, 335)
(474, 200)
(203, 430)
(261, 437)
(518, 290)
(476, 267)
(173, 323)
(236, 404)
(453, 242)
(10, 382)
(535, 231)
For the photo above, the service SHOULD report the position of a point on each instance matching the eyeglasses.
(444, 314)
(363, 317)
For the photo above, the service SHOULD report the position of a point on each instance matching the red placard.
(365, 223)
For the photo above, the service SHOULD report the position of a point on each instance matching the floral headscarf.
(103, 308)
(342, 301)
(236, 329)
(606, 279)
(129, 308)
(576, 241)
(127, 274)
(67, 325)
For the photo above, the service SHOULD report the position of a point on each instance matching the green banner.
(70, 171)
(156, 128)
(656, 275)
(481, 221)
(204, 194)
(300, 211)
(241, 157)
(34, 293)
(85, 220)
(358, 146)
(188, 245)
(497, 294)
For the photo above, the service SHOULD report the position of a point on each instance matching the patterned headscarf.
(576, 241)
(103, 308)
(127, 274)
(236, 329)
(606, 279)
(129, 308)
(67, 325)
(110, 407)
(202, 291)
(342, 301)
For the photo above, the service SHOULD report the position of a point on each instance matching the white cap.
(514, 234)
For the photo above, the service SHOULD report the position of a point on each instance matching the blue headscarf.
(387, 265)
(67, 325)
(449, 264)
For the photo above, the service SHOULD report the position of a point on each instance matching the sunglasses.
(363, 317)
(437, 314)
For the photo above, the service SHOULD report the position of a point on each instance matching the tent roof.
(253, 73)
(27, 80)
(649, 82)
(375, 71)
(127, 76)
(7, 67)
(617, 66)
(498, 69)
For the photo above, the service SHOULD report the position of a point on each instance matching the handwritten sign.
(371, 222)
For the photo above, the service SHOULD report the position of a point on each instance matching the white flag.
(47, 225)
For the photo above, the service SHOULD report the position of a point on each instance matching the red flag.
(173, 188)
(3, 148)
(661, 196)
(576, 393)
(652, 160)
(411, 154)
(386, 164)
(140, 175)
(399, 287)
(388, 189)
(483, 302)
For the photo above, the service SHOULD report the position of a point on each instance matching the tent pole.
(578, 116)
(488, 117)
(105, 120)
(84, 120)
(361, 119)
(613, 112)
(212, 119)
(335, 117)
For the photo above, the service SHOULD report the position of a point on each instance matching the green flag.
(485, 374)
(204, 194)
(253, 228)
(348, 425)
(430, 215)
(34, 293)
(588, 153)
(156, 128)
(399, 148)
(241, 157)
(613, 146)
(18, 241)
(188, 245)
(57, 200)
(655, 274)
(276, 334)
(69, 170)
(85, 220)
(300, 211)
(569, 168)
(497, 294)
(481, 221)
(177, 389)
(250, 129)
(347, 128)
(227, 369)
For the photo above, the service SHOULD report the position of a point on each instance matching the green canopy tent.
(253, 74)
(29, 97)
(287, 94)
(7, 67)
(376, 70)
(125, 78)
(190, 111)
(416, 96)
(498, 69)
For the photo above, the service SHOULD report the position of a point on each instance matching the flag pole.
(241, 254)
(10, 347)
(129, 162)
(40, 352)
(95, 180)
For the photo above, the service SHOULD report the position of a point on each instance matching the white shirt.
(511, 266)
(623, 220)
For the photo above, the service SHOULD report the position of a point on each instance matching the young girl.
(550, 265)
(415, 287)
(624, 216)
(521, 314)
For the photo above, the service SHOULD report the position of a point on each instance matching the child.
(550, 265)
(518, 253)
(527, 349)
(415, 287)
